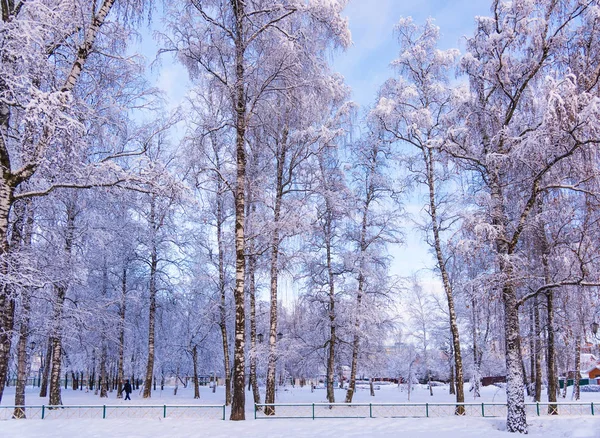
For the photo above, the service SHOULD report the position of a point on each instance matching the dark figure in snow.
(127, 389)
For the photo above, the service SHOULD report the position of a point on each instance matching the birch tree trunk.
(103, 375)
(60, 290)
(195, 361)
(122, 308)
(55, 396)
(532, 353)
(22, 355)
(538, 350)
(251, 277)
(551, 353)
(46, 370)
(152, 307)
(359, 298)
(577, 376)
(441, 263)
(23, 358)
(238, 405)
(222, 287)
(275, 242)
(7, 299)
(10, 181)
(516, 420)
(253, 355)
(332, 323)
(476, 353)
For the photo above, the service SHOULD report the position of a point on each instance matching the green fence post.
(43, 410)
(103, 411)
(223, 412)
(483, 409)
(313, 410)
(370, 410)
(538, 408)
(592, 408)
(255, 411)
(427, 409)
(164, 411)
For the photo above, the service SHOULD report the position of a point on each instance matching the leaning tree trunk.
(441, 264)
(358, 309)
(153, 222)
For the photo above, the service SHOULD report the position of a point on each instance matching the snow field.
(471, 427)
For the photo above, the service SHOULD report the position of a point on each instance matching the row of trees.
(162, 267)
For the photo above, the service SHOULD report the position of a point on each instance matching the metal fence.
(45, 412)
(417, 410)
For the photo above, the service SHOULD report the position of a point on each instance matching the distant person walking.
(127, 389)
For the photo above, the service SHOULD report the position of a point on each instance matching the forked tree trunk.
(60, 290)
(358, 308)
(362, 248)
(46, 370)
(275, 242)
(153, 222)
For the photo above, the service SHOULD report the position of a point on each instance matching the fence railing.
(46, 412)
(398, 410)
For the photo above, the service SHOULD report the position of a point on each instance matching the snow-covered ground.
(552, 427)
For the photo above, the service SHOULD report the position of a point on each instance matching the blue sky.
(365, 66)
